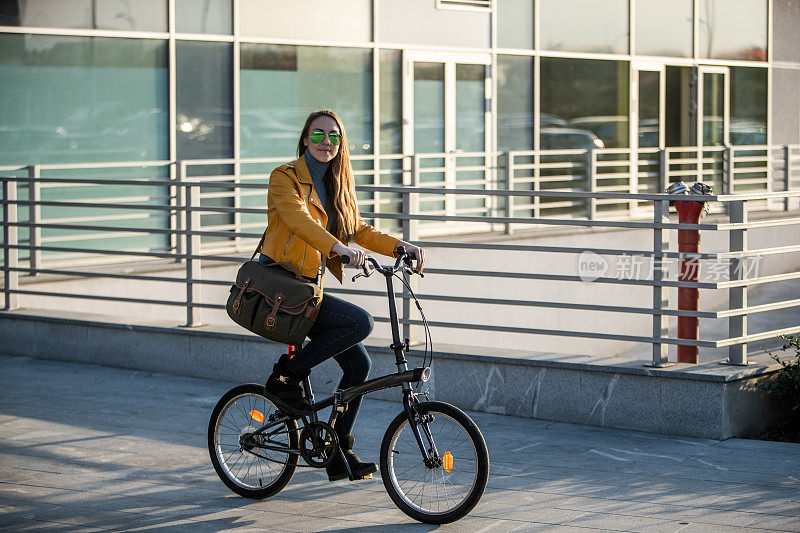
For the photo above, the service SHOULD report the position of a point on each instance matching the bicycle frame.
(403, 378)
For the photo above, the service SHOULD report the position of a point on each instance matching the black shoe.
(337, 469)
(285, 386)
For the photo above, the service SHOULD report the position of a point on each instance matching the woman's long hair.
(339, 184)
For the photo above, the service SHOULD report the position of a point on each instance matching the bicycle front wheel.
(451, 486)
(254, 466)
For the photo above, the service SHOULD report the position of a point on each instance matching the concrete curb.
(707, 400)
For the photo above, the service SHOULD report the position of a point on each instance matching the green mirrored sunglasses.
(318, 136)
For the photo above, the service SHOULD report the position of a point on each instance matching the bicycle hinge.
(339, 404)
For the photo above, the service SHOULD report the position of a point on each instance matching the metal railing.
(45, 233)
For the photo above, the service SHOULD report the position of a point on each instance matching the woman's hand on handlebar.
(355, 258)
(417, 253)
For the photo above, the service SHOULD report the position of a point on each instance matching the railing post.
(663, 170)
(410, 234)
(660, 292)
(633, 181)
(508, 162)
(193, 273)
(180, 214)
(727, 174)
(737, 296)
(787, 174)
(34, 219)
(237, 204)
(591, 183)
(173, 214)
(727, 170)
(10, 242)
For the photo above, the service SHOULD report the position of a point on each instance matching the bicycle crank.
(319, 444)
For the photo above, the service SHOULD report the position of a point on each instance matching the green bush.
(786, 385)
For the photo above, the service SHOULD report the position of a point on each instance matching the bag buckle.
(237, 304)
(271, 322)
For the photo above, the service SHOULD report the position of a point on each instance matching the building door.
(648, 106)
(446, 118)
(713, 106)
(713, 129)
(648, 98)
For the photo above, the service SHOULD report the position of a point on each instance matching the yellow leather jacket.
(296, 222)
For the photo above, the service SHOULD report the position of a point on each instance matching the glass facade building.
(103, 80)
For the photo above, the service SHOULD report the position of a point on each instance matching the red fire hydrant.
(689, 212)
(688, 297)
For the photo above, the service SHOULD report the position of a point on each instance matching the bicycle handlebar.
(402, 263)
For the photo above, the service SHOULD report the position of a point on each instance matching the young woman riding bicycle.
(312, 215)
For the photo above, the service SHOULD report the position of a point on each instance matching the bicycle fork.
(430, 454)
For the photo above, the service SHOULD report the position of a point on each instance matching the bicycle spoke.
(258, 467)
(434, 490)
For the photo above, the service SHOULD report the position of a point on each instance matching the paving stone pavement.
(86, 448)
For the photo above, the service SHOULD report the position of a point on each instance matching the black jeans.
(337, 333)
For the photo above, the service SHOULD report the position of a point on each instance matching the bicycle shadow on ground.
(377, 528)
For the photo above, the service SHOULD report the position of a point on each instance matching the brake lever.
(410, 271)
(366, 272)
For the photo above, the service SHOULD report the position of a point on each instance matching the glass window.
(209, 16)
(649, 99)
(87, 100)
(205, 100)
(733, 29)
(515, 103)
(82, 99)
(342, 20)
(515, 24)
(679, 115)
(470, 108)
(470, 129)
(141, 15)
(713, 109)
(391, 102)
(429, 120)
(583, 101)
(748, 105)
(391, 135)
(204, 129)
(281, 85)
(584, 25)
(664, 28)
(429, 127)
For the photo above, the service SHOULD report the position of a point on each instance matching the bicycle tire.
(227, 423)
(403, 469)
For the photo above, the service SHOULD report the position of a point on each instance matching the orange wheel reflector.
(257, 416)
(447, 461)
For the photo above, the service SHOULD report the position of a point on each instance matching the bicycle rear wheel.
(239, 459)
(451, 487)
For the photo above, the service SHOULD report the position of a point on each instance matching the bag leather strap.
(260, 243)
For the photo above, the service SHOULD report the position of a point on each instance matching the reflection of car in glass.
(525, 120)
(262, 126)
(648, 133)
(568, 139)
(144, 133)
(748, 133)
(608, 128)
(208, 123)
(546, 119)
(742, 132)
